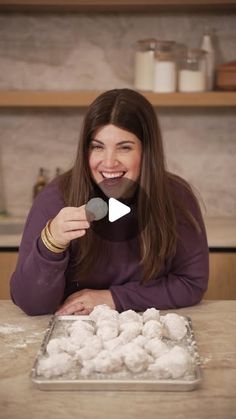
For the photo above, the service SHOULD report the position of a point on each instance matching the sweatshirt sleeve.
(38, 283)
(181, 283)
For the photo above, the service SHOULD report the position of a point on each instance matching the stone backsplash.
(96, 51)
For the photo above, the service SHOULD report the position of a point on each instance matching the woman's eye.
(96, 147)
(125, 147)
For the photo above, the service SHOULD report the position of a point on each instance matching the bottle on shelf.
(208, 47)
(58, 171)
(40, 182)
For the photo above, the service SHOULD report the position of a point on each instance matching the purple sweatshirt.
(42, 279)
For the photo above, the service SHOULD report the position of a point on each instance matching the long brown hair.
(131, 111)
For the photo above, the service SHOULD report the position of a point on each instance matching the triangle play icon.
(117, 210)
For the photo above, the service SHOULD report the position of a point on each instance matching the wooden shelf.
(80, 99)
(116, 5)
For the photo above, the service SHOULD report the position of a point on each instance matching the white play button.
(117, 209)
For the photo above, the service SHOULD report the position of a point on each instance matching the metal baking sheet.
(127, 381)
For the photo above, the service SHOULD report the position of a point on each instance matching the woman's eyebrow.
(120, 142)
(98, 141)
(126, 142)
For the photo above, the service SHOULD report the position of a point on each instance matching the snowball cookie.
(174, 326)
(129, 316)
(130, 330)
(173, 364)
(131, 325)
(96, 209)
(107, 330)
(156, 347)
(108, 315)
(102, 310)
(58, 345)
(80, 331)
(112, 344)
(87, 368)
(92, 347)
(107, 362)
(135, 358)
(80, 326)
(151, 314)
(152, 329)
(54, 365)
(140, 340)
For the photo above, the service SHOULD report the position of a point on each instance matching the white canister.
(191, 76)
(191, 81)
(165, 72)
(144, 65)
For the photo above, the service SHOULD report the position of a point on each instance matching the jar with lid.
(144, 64)
(165, 71)
(192, 71)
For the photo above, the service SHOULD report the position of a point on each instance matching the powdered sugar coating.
(135, 358)
(107, 330)
(101, 311)
(152, 329)
(108, 343)
(151, 314)
(172, 364)
(107, 315)
(156, 347)
(91, 348)
(129, 316)
(79, 326)
(113, 343)
(54, 365)
(130, 330)
(60, 345)
(140, 340)
(174, 326)
(107, 362)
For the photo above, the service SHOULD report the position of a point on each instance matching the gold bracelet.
(52, 242)
(51, 238)
(49, 245)
(45, 242)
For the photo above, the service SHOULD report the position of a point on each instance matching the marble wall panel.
(96, 51)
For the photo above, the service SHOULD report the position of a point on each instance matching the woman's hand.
(69, 224)
(84, 301)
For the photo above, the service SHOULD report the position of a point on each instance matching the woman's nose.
(110, 158)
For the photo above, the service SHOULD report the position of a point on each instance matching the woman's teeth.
(114, 175)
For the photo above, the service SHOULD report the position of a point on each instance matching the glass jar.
(165, 71)
(192, 71)
(144, 64)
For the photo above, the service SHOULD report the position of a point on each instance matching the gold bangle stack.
(49, 241)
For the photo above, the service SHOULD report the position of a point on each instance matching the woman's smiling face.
(114, 154)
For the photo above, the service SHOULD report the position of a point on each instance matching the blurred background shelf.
(116, 5)
(80, 99)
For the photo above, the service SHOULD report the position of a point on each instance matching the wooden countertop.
(214, 326)
(221, 232)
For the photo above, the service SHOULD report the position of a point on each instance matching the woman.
(67, 268)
